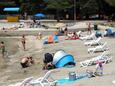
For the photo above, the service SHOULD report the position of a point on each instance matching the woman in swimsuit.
(23, 41)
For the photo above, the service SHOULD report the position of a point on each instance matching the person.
(30, 60)
(23, 40)
(99, 68)
(89, 28)
(66, 30)
(75, 36)
(2, 47)
(47, 60)
(24, 62)
(39, 35)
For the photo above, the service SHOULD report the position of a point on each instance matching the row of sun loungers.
(91, 40)
(104, 57)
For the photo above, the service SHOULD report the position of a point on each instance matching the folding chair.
(56, 39)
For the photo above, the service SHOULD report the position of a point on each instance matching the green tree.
(88, 7)
(58, 5)
(111, 2)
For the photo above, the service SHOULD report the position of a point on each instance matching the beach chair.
(98, 48)
(25, 82)
(104, 57)
(93, 42)
(78, 33)
(56, 39)
(50, 39)
(43, 81)
(89, 37)
(85, 63)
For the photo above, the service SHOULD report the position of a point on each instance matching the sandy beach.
(11, 71)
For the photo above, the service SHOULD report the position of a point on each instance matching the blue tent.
(61, 59)
(12, 9)
(40, 15)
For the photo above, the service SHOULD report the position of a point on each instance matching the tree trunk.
(58, 18)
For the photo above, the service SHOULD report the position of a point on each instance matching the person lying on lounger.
(72, 36)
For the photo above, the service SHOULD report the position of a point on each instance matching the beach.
(11, 71)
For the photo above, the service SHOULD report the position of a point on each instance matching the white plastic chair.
(94, 42)
(88, 37)
(103, 57)
(43, 80)
(98, 48)
(25, 82)
(78, 33)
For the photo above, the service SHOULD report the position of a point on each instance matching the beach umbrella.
(40, 15)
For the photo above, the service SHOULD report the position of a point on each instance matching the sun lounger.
(89, 37)
(98, 48)
(104, 57)
(78, 33)
(56, 39)
(94, 42)
(25, 82)
(43, 81)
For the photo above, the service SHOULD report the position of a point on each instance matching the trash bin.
(72, 76)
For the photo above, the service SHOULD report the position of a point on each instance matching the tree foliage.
(88, 7)
(111, 2)
(58, 4)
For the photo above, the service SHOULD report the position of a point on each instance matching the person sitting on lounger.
(72, 36)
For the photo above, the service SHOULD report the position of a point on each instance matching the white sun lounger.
(98, 48)
(104, 57)
(25, 82)
(88, 37)
(78, 33)
(43, 81)
(94, 42)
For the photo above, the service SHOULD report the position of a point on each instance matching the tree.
(30, 6)
(88, 7)
(58, 5)
(111, 2)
